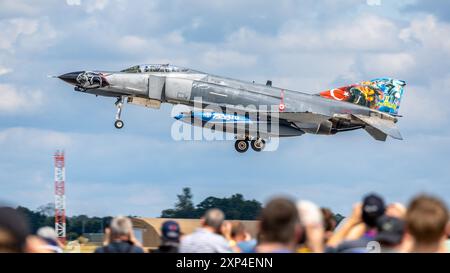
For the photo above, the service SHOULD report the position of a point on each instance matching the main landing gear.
(119, 104)
(241, 145)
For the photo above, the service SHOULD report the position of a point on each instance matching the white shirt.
(204, 241)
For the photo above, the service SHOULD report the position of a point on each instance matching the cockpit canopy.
(144, 68)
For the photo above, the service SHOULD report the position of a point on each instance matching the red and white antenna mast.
(60, 197)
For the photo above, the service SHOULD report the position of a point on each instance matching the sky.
(308, 46)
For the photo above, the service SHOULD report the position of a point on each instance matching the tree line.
(75, 225)
(235, 207)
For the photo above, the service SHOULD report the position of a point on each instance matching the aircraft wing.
(379, 128)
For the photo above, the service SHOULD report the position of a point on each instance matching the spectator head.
(329, 222)
(121, 228)
(47, 234)
(279, 222)
(238, 231)
(311, 221)
(396, 210)
(170, 231)
(214, 218)
(390, 231)
(373, 207)
(309, 213)
(14, 230)
(50, 237)
(427, 220)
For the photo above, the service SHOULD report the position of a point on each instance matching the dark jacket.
(167, 247)
(119, 247)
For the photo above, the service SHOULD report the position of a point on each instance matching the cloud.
(15, 101)
(96, 5)
(12, 29)
(88, 178)
(391, 64)
(132, 43)
(429, 33)
(302, 45)
(228, 58)
(90, 6)
(144, 199)
(24, 33)
(150, 170)
(18, 7)
(365, 32)
(438, 8)
(423, 106)
(32, 139)
(73, 2)
(5, 70)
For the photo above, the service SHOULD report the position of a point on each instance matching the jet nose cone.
(71, 77)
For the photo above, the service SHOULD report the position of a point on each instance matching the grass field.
(75, 247)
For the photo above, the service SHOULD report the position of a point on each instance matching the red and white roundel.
(282, 106)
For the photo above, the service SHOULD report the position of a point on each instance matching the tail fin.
(383, 94)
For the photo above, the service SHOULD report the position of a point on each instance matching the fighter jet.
(370, 105)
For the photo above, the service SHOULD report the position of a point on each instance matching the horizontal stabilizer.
(378, 128)
(375, 133)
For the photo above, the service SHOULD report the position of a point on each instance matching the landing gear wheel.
(118, 124)
(241, 146)
(119, 104)
(258, 145)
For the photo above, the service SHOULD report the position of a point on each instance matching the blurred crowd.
(284, 226)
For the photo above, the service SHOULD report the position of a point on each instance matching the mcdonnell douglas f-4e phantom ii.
(370, 105)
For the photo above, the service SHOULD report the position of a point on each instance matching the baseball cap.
(170, 230)
(373, 207)
(390, 230)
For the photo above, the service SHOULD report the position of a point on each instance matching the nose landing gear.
(118, 124)
(119, 104)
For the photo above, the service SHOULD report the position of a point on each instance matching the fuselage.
(296, 112)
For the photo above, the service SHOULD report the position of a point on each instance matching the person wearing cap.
(362, 226)
(170, 238)
(49, 236)
(390, 234)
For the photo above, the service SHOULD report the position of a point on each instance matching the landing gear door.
(155, 87)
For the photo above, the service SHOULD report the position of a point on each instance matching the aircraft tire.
(258, 146)
(118, 124)
(241, 146)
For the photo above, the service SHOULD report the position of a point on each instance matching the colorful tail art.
(383, 94)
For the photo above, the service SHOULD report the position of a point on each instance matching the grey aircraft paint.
(296, 112)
